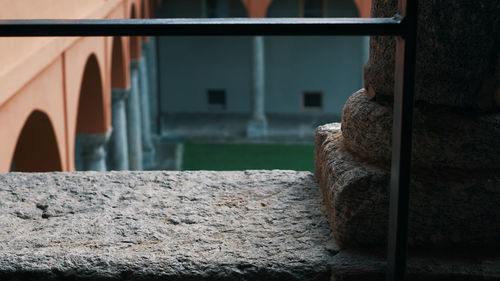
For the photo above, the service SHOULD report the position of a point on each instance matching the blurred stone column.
(456, 153)
(134, 119)
(92, 152)
(147, 143)
(152, 57)
(118, 143)
(257, 126)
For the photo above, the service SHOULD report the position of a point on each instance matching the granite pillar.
(455, 190)
(257, 126)
(118, 142)
(153, 82)
(134, 132)
(148, 151)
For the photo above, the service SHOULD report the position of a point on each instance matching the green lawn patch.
(244, 156)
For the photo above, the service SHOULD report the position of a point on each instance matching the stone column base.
(92, 151)
(256, 128)
(449, 207)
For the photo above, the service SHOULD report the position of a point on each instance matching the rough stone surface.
(449, 208)
(458, 53)
(248, 225)
(443, 137)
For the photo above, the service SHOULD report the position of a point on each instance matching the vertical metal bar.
(404, 92)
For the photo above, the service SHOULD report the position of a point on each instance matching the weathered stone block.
(247, 225)
(449, 207)
(443, 137)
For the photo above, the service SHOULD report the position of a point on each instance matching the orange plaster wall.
(364, 7)
(45, 74)
(256, 8)
(24, 58)
(45, 93)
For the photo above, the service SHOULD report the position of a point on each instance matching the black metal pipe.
(404, 95)
(217, 26)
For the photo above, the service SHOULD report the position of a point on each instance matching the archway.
(118, 71)
(341, 8)
(283, 9)
(91, 117)
(91, 129)
(329, 8)
(236, 9)
(36, 148)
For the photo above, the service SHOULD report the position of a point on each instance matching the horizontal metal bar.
(217, 26)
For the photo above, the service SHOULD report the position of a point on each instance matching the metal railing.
(403, 25)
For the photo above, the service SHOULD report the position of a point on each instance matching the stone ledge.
(251, 225)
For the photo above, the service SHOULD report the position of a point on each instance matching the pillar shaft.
(147, 142)
(153, 82)
(118, 142)
(134, 119)
(458, 63)
(257, 126)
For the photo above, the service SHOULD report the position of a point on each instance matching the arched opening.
(36, 148)
(118, 72)
(91, 118)
(312, 8)
(284, 9)
(236, 9)
(341, 9)
(90, 124)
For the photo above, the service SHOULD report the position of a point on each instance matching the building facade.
(57, 93)
(257, 78)
(70, 103)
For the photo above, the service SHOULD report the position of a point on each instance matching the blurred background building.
(138, 103)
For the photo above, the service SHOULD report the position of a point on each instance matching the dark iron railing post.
(404, 93)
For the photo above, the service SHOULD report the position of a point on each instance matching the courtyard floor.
(247, 156)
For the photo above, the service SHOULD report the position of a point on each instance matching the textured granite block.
(449, 208)
(252, 225)
(443, 137)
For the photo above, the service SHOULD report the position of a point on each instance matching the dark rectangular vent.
(312, 100)
(217, 98)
